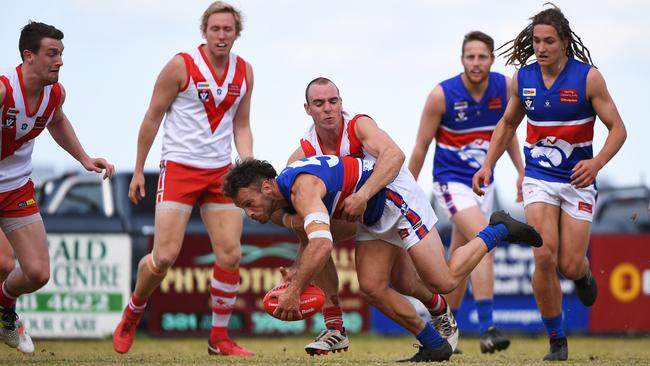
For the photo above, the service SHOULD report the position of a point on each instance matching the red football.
(311, 300)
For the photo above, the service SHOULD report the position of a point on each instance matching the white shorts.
(407, 218)
(456, 197)
(579, 203)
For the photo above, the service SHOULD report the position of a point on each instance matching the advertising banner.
(181, 306)
(90, 281)
(514, 305)
(621, 266)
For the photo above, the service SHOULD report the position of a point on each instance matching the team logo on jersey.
(568, 95)
(234, 89)
(474, 153)
(528, 104)
(495, 103)
(551, 151)
(204, 95)
(529, 92)
(461, 105)
(40, 123)
(9, 121)
(461, 116)
(547, 103)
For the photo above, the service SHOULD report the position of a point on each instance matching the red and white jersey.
(20, 126)
(198, 126)
(348, 144)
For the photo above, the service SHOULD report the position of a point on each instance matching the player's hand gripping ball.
(311, 300)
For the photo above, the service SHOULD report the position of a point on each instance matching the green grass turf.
(364, 350)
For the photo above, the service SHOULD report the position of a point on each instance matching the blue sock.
(554, 326)
(493, 235)
(429, 337)
(484, 309)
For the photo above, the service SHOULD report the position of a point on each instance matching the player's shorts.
(408, 216)
(182, 186)
(455, 197)
(579, 203)
(18, 208)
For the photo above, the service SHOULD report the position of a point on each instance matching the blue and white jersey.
(342, 177)
(463, 138)
(561, 120)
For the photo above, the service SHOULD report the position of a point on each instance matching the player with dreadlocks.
(561, 97)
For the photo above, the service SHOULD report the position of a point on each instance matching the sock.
(429, 337)
(333, 317)
(7, 300)
(437, 305)
(554, 326)
(136, 306)
(484, 309)
(223, 292)
(493, 235)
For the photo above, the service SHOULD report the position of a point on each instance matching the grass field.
(364, 350)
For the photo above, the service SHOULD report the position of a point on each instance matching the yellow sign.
(625, 282)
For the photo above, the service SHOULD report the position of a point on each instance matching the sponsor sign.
(181, 305)
(90, 284)
(568, 95)
(514, 305)
(621, 268)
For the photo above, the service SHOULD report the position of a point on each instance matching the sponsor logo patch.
(461, 105)
(495, 103)
(568, 95)
(529, 92)
(234, 89)
(29, 202)
(12, 111)
(40, 123)
(584, 206)
(403, 233)
(203, 85)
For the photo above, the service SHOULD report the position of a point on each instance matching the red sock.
(333, 317)
(136, 306)
(436, 305)
(223, 292)
(7, 300)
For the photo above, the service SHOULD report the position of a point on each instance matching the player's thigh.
(29, 243)
(404, 277)
(545, 218)
(469, 221)
(224, 227)
(574, 241)
(374, 260)
(429, 260)
(170, 223)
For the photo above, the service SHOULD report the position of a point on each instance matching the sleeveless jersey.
(198, 126)
(560, 126)
(348, 144)
(463, 138)
(20, 126)
(342, 177)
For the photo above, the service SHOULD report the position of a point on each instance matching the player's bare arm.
(306, 195)
(63, 133)
(503, 133)
(242, 135)
(389, 162)
(171, 80)
(434, 109)
(586, 171)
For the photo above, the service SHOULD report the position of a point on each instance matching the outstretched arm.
(63, 133)
(306, 195)
(501, 138)
(586, 171)
(434, 109)
(242, 134)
